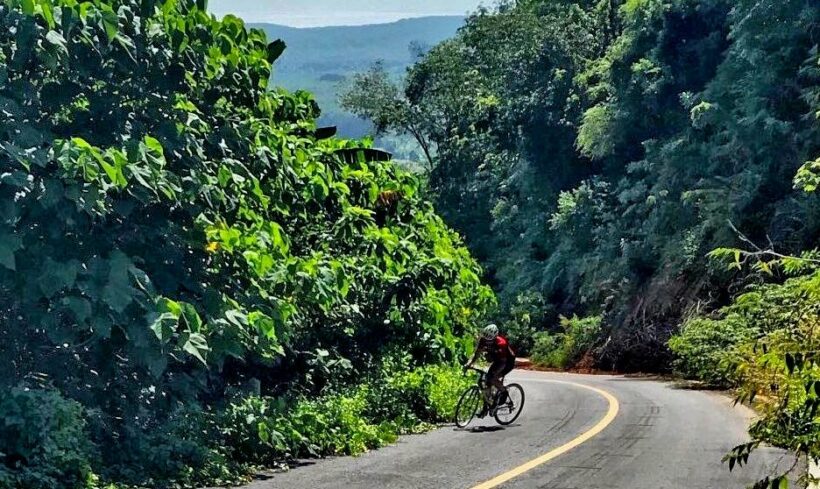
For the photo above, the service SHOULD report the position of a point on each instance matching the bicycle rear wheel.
(468, 406)
(509, 411)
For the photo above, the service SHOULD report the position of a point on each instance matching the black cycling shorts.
(500, 368)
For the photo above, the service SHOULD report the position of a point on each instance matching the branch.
(760, 253)
(424, 146)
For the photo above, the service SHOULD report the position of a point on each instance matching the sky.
(314, 13)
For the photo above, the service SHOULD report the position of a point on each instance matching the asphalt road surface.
(576, 432)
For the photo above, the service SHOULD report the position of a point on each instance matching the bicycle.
(505, 411)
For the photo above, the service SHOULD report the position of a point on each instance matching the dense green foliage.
(45, 434)
(349, 422)
(565, 349)
(765, 343)
(594, 151)
(706, 349)
(174, 237)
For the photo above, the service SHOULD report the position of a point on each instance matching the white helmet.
(489, 332)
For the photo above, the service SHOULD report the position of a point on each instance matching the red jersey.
(496, 350)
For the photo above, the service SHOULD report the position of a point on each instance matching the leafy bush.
(526, 316)
(443, 391)
(436, 388)
(563, 350)
(707, 349)
(547, 351)
(781, 368)
(336, 425)
(185, 450)
(43, 441)
(261, 431)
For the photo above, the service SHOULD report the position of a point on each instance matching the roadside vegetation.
(193, 280)
(567, 348)
(766, 345)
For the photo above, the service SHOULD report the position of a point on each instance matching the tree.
(373, 96)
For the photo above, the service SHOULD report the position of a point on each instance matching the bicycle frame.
(482, 377)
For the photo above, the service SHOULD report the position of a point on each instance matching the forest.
(638, 179)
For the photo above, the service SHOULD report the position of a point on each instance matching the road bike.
(505, 408)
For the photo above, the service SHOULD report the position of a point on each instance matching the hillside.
(319, 59)
(342, 49)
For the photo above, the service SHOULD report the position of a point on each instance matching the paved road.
(661, 438)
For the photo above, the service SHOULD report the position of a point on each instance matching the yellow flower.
(212, 247)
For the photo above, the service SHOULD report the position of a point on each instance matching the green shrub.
(706, 349)
(186, 450)
(43, 441)
(563, 350)
(398, 394)
(709, 349)
(436, 389)
(547, 351)
(443, 390)
(262, 431)
(336, 425)
(527, 315)
(265, 430)
(778, 367)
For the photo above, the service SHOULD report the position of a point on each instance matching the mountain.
(319, 59)
(342, 49)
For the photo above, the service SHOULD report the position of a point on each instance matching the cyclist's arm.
(477, 352)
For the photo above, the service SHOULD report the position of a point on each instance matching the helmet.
(489, 332)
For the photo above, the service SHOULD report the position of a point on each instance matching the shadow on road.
(272, 473)
(485, 429)
(670, 381)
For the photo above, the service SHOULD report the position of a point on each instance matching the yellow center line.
(611, 414)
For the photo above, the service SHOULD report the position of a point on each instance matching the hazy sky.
(310, 13)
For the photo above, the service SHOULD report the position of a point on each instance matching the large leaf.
(118, 292)
(275, 50)
(56, 276)
(197, 345)
(9, 244)
(58, 41)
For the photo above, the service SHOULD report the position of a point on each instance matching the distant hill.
(320, 59)
(324, 50)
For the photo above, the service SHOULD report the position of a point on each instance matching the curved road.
(651, 435)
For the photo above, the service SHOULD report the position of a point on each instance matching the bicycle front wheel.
(509, 411)
(468, 406)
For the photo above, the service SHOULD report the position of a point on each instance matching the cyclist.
(502, 360)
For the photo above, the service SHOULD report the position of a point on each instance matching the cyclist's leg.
(507, 368)
(492, 380)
